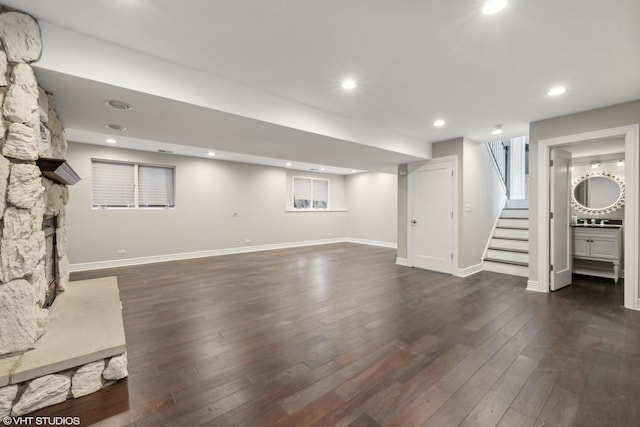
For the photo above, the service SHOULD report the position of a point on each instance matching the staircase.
(508, 251)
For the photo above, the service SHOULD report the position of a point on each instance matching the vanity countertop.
(597, 225)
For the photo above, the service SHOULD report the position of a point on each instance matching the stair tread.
(514, 217)
(502, 261)
(512, 228)
(520, 239)
(515, 209)
(520, 251)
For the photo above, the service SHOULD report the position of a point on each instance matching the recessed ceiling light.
(321, 169)
(211, 153)
(111, 140)
(439, 123)
(118, 105)
(493, 6)
(497, 130)
(349, 84)
(289, 164)
(353, 171)
(113, 126)
(555, 91)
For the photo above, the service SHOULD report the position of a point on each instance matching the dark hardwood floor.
(340, 335)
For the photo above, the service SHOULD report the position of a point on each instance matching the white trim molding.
(631, 136)
(403, 262)
(468, 271)
(127, 262)
(533, 285)
(389, 245)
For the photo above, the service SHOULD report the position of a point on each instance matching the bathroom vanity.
(602, 244)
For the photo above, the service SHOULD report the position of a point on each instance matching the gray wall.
(208, 191)
(602, 118)
(403, 215)
(372, 206)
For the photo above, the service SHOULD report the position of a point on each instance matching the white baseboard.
(468, 271)
(99, 265)
(533, 285)
(389, 245)
(403, 262)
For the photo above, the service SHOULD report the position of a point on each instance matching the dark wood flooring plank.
(340, 334)
(514, 418)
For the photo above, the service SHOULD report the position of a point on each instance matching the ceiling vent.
(113, 126)
(118, 105)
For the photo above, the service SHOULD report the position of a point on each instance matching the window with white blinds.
(130, 185)
(113, 184)
(310, 193)
(155, 186)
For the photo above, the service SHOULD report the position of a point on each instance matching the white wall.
(372, 206)
(483, 199)
(208, 191)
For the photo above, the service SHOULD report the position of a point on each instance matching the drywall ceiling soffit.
(174, 104)
(415, 61)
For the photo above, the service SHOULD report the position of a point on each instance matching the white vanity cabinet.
(602, 244)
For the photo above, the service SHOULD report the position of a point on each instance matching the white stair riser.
(514, 270)
(517, 204)
(505, 232)
(510, 244)
(508, 256)
(513, 222)
(515, 213)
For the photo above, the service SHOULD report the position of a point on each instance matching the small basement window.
(132, 185)
(310, 193)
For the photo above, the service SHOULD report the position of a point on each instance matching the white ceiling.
(261, 78)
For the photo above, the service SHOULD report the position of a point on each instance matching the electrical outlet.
(120, 252)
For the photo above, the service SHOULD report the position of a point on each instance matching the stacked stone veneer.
(20, 399)
(29, 129)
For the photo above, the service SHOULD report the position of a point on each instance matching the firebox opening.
(49, 225)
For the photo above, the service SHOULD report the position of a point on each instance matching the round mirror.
(598, 193)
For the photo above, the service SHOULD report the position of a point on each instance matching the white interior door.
(432, 217)
(560, 230)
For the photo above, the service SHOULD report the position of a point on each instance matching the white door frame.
(631, 134)
(412, 168)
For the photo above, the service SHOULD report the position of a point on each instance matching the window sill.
(315, 210)
(132, 208)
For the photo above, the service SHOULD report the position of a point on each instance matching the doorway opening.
(629, 232)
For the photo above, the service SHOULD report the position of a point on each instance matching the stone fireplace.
(34, 267)
(29, 130)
